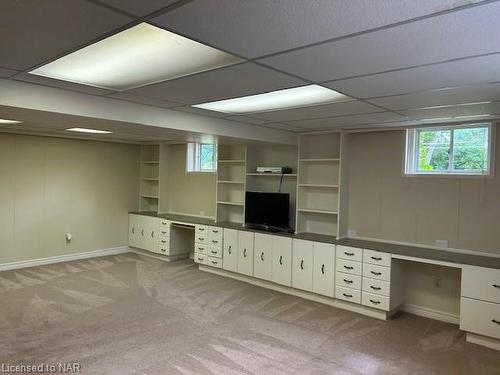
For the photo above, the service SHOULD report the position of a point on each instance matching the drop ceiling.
(392, 58)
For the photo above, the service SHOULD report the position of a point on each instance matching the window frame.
(193, 161)
(410, 159)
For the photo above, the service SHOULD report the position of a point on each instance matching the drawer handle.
(152, 234)
(302, 264)
(164, 231)
(215, 241)
(496, 286)
(163, 250)
(164, 222)
(348, 254)
(495, 321)
(244, 253)
(375, 302)
(347, 295)
(262, 256)
(200, 259)
(201, 229)
(214, 252)
(201, 238)
(229, 250)
(281, 260)
(215, 231)
(200, 248)
(348, 281)
(376, 258)
(375, 287)
(142, 232)
(163, 241)
(376, 273)
(348, 267)
(323, 269)
(214, 262)
(133, 230)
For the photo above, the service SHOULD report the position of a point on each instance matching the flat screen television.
(267, 209)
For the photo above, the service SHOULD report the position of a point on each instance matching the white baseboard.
(489, 342)
(431, 313)
(63, 258)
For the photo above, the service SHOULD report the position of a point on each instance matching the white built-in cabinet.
(302, 273)
(245, 253)
(262, 266)
(281, 270)
(230, 246)
(148, 233)
(324, 269)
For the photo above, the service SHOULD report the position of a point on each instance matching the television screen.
(269, 209)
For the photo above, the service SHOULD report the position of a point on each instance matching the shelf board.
(241, 204)
(316, 211)
(319, 160)
(151, 179)
(232, 182)
(326, 186)
(231, 161)
(149, 196)
(151, 162)
(273, 174)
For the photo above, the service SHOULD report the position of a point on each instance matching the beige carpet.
(130, 314)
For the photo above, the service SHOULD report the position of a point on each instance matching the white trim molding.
(431, 313)
(63, 258)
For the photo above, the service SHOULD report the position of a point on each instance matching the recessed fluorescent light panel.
(85, 130)
(141, 55)
(4, 121)
(296, 97)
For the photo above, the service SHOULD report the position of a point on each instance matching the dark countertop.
(396, 249)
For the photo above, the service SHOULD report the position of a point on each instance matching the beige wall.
(50, 186)
(385, 205)
(190, 193)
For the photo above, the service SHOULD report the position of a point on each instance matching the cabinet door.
(324, 269)
(141, 228)
(133, 230)
(302, 276)
(245, 253)
(282, 260)
(262, 264)
(230, 252)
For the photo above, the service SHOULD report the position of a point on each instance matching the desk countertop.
(440, 255)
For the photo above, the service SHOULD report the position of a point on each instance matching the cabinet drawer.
(348, 294)
(200, 258)
(481, 283)
(215, 242)
(214, 251)
(375, 286)
(377, 272)
(348, 266)
(200, 248)
(164, 249)
(376, 257)
(164, 241)
(201, 238)
(164, 232)
(164, 224)
(347, 280)
(376, 301)
(214, 262)
(201, 230)
(480, 317)
(351, 253)
(215, 233)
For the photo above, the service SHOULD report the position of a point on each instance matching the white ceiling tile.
(199, 111)
(230, 82)
(26, 77)
(463, 110)
(246, 119)
(139, 8)
(143, 100)
(448, 36)
(257, 28)
(6, 73)
(485, 69)
(319, 111)
(345, 121)
(34, 31)
(284, 127)
(455, 95)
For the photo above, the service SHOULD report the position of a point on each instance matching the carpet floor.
(130, 314)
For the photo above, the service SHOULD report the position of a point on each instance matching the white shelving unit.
(150, 178)
(318, 187)
(231, 182)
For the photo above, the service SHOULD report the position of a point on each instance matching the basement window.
(201, 157)
(449, 150)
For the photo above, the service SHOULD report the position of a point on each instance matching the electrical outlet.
(441, 243)
(437, 282)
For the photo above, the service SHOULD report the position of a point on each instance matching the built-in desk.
(358, 275)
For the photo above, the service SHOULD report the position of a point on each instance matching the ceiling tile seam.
(368, 98)
(443, 106)
(112, 8)
(131, 101)
(341, 116)
(380, 28)
(412, 67)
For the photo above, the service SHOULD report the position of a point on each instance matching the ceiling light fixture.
(296, 97)
(85, 130)
(141, 55)
(9, 122)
